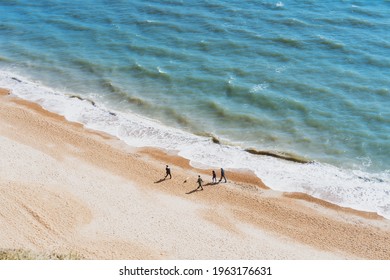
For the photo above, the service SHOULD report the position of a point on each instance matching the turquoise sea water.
(304, 78)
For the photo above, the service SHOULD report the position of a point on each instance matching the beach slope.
(66, 189)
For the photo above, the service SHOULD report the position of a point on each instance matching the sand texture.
(65, 189)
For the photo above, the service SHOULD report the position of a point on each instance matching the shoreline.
(244, 211)
(343, 187)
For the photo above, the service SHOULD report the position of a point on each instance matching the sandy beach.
(67, 189)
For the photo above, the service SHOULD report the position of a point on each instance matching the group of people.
(199, 181)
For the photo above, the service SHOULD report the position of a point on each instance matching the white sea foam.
(349, 188)
(160, 70)
(259, 87)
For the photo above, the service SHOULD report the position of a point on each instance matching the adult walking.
(223, 175)
(200, 181)
(214, 177)
(167, 172)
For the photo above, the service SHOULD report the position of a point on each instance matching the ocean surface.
(222, 82)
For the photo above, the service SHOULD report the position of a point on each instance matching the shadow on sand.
(197, 189)
(161, 180)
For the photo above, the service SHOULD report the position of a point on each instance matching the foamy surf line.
(348, 188)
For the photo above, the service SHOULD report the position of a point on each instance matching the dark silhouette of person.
(200, 181)
(214, 177)
(168, 172)
(223, 175)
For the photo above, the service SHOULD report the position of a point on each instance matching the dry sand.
(67, 189)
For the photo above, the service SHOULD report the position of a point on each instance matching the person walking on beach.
(214, 177)
(200, 181)
(223, 175)
(167, 172)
